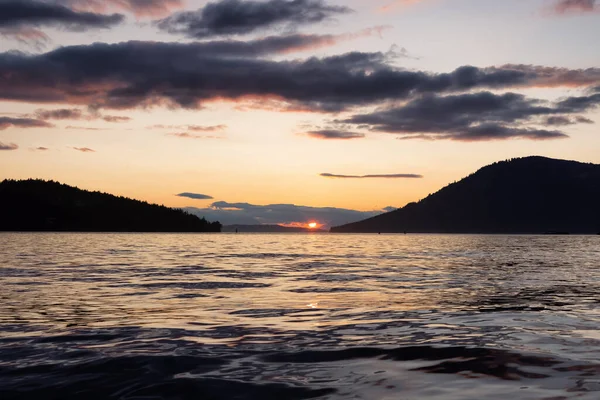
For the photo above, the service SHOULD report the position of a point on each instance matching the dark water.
(299, 316)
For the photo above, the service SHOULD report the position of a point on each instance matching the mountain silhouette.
(38, 205)
(523, 195)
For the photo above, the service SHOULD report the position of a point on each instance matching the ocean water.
(299, 316)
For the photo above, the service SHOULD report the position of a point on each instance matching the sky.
(292, 111)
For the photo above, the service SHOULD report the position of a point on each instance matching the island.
(531, 195)
(39, 205)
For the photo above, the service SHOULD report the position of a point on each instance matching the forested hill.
(524, 195)
(37, 205)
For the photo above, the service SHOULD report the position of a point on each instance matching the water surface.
(298, 316)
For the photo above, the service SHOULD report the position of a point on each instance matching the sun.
(312, 225)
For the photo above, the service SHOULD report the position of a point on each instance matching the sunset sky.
(291, 111)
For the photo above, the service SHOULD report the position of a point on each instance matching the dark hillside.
(525, 195)
(37, 205)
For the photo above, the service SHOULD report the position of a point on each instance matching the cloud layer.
(236, 17)
(477, 116)
(144, 74)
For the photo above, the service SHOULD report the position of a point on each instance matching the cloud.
(472, 117)
(335, 134)
(236, 17)
(188, 75)
(193, 128)
(140, 8)
(41, 149)
(22, 19)
(560, 120)
(580, 103)
(76, 114)
(283, 214)
(60, 114)
(7, 122)
(115, 119)
(211, 128)
(9, 146)
(195, 196)
(84, 128)
(84, 149)
(576, 6)
(381, 176)
(26, 36)
(185, 135)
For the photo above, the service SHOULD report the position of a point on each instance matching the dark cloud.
(195, 196)
(146, 74)
(9, 146)
(249, 214)
(84, 149)
(7, 122)
(141, 8)
(22, 19)
(469, 117)
(115, 119)
(236, 17)
(580, 103)
(335, 134)
(76, 114)
(561, 120)
(582, 6)
(64, 113)
(381, 176)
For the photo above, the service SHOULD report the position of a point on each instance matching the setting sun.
(312, 225)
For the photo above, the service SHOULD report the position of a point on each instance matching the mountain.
(269, 229)
(524, 195)
(37, 205)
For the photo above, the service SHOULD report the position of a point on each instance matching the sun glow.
(312, 225)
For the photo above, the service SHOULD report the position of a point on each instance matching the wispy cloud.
(140, 8)
(186, 135)
(84, 149)
(195, 196)
(378, 176)
(77, 114)
(7, 122)
(576, 6)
